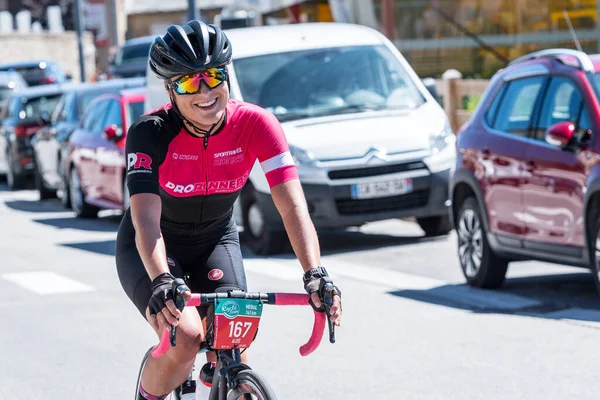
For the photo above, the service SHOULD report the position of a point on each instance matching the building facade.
(434, 34)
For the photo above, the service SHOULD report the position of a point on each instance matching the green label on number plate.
(236, 323)
(232, 308)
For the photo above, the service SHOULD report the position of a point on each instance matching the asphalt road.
(411, 328)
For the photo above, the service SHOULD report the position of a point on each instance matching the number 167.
(235, 328)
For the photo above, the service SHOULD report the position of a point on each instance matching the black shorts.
(209, 263)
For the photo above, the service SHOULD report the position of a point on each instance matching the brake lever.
(178, 289)
(327, 303)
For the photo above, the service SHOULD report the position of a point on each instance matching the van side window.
(517, 106)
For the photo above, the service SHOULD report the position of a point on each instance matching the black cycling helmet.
(189, 48)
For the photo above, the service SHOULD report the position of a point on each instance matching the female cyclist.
(186, 165)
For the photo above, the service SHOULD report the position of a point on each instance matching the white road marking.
(47, 282)
(275, 268)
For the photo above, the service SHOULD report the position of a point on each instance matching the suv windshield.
(318, 82)
(5, 93)
(134, 111)
(133, 53)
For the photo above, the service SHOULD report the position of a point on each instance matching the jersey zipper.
(204, 164)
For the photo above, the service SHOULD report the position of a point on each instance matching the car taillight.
(47, 79)
(26, 130)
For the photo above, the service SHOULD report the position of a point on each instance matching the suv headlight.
(301, 156)
(439, 140)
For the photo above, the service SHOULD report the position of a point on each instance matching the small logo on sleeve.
(215, 274)
(139, 162)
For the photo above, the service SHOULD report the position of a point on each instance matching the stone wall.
(60, 47)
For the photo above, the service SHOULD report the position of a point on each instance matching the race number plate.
(236, 322)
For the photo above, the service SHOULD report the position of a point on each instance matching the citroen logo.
(376, 155)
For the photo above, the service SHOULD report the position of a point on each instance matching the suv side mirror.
(112, 132)
(431, 87)
(560, 134)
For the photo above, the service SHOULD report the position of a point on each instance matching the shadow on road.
(35, 206)
(563, 296)
(107, 224)
(106, 247)
(348, 241)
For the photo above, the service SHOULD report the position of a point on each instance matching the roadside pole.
(79, 23)
(193, 12)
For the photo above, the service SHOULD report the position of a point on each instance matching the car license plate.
(392, 187)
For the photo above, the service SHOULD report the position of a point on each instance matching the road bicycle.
(232, 325)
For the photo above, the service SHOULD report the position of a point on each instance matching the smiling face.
(204, 108)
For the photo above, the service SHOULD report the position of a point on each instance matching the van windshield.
(318, 82)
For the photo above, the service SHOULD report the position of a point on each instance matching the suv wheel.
(260, 237)
(126, 202)
(65, 193)
(481, 267)
(82, 208)
(596, 259)
(435, 226)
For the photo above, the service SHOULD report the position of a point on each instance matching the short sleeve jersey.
(199, 179)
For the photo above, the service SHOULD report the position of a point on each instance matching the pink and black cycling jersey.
(199, 179)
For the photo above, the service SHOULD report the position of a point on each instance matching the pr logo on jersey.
(140, 162)
(170, 262)
(215, 274)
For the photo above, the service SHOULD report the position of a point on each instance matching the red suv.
(526, 185)
(96, 160)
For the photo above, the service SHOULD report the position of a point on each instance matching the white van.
(369, 139)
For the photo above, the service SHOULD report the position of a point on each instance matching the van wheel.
(480, 265)
(435, 226)
(260, 237)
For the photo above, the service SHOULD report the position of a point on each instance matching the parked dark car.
(527, 180)
(96, 162)
(25, 113)
(132, 58)
(50, 143)
(38, 72)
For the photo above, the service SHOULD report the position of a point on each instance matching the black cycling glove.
(162, 291)
(315, 280)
